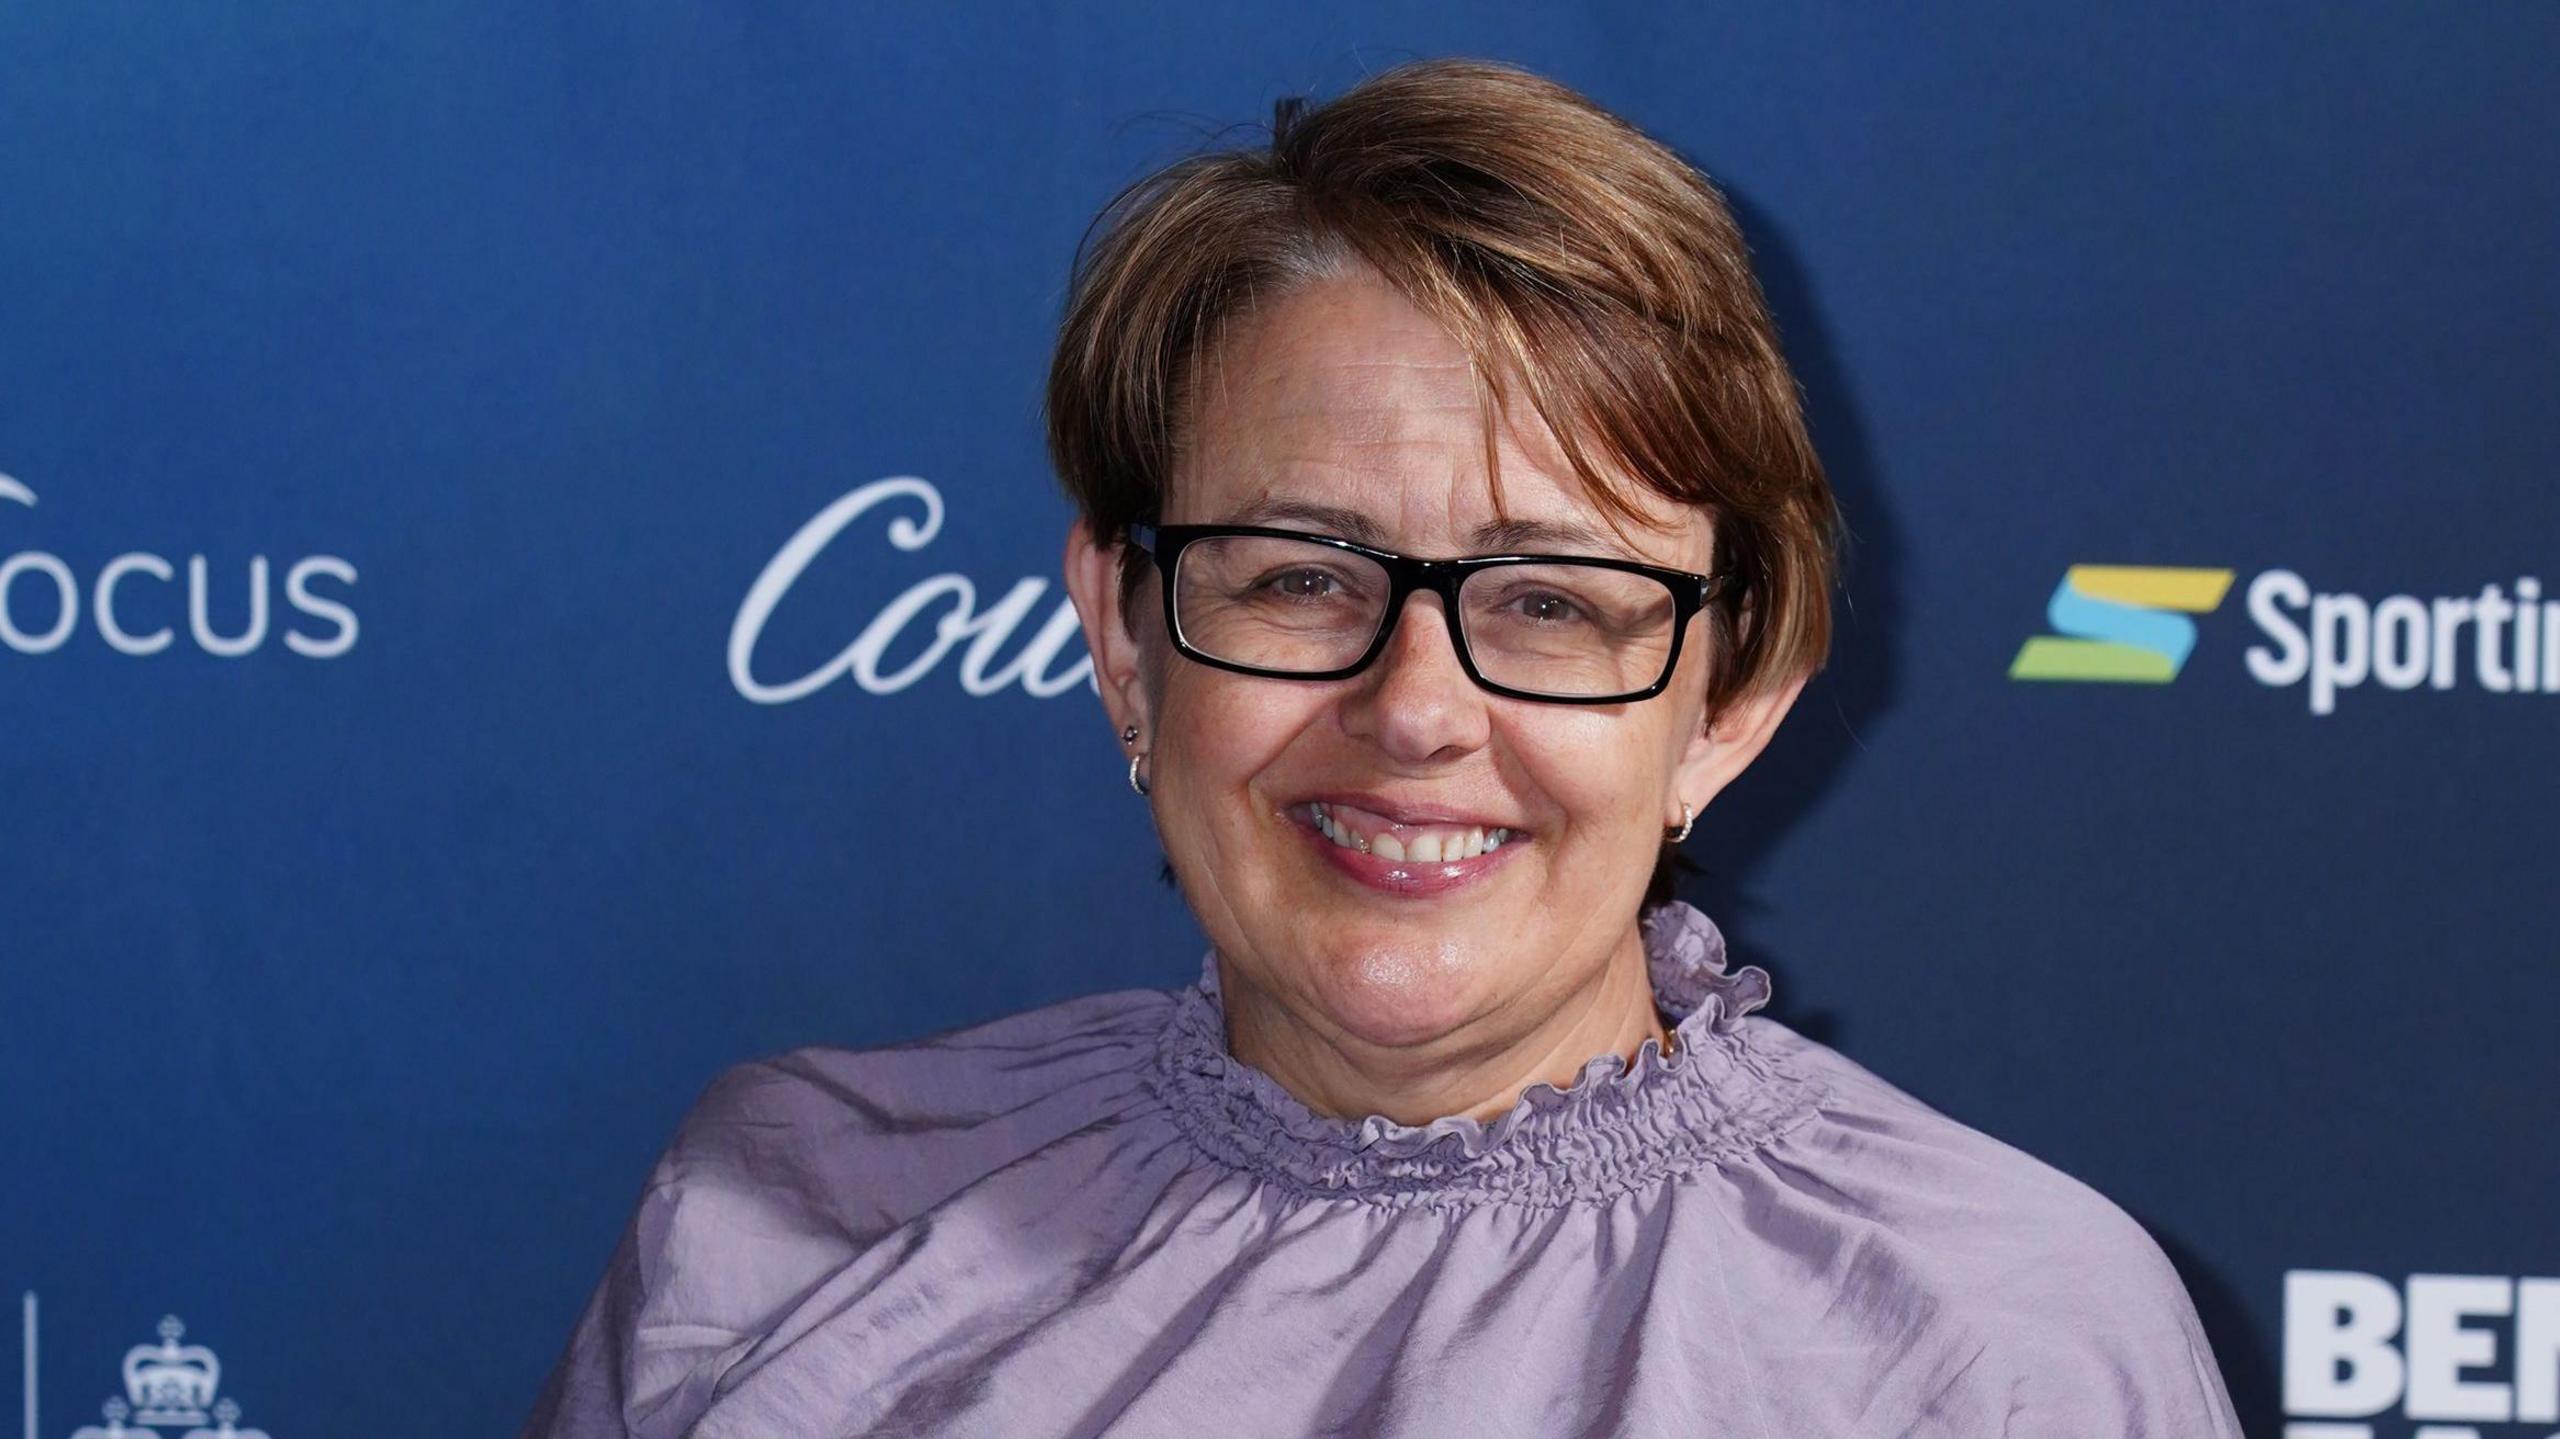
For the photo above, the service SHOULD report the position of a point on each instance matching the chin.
(1404, 990)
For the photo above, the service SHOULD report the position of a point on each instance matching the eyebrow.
(1491, 537)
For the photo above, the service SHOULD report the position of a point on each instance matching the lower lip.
(1410, 877)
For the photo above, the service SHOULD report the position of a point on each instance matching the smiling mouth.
(1365, 832)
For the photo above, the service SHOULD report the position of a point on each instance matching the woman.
(1448, 539)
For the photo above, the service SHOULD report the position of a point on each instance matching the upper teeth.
(1432, 842)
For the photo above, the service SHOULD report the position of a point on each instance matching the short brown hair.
(1564, 248)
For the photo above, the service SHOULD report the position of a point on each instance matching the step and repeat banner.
(528, 576)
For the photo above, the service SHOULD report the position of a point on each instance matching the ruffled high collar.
(1615, 1127)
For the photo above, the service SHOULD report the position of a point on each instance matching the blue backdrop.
(403, 811)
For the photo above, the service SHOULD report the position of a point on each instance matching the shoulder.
(869, 1137)
(787, 1169)
(1976, 1191)
(2055, 1284)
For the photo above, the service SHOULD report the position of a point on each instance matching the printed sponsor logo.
(926, 621)
(171, 1391)
(2329, 642)
(45, 602)
(2120, 623)
(2129, 624)
(2438, 1356)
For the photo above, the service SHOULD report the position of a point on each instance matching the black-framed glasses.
(1286, 604)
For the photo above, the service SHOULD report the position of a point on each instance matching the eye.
(1301, 584)
(1546, 607)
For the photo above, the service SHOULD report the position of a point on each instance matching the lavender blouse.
(1089, 1218)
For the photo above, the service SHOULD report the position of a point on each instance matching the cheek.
(1218, 732)
(1603, 775)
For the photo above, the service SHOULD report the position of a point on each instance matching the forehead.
(1344, 408)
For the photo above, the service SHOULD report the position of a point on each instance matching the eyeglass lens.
(1547, 628)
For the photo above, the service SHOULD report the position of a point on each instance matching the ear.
(1093, 584)
(1721, 750)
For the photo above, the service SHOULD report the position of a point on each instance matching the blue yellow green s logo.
(2120, 623)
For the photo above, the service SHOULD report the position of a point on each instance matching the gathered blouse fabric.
(1090, 1218)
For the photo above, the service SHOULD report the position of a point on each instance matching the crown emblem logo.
(166, 1385)
(114, 1428)
(169, 1384)
(226, 1414)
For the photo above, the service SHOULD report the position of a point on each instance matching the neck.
(1478, 1069)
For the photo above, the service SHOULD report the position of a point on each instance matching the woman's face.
(1343, 410)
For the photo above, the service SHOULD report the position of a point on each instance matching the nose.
(1415, 700)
